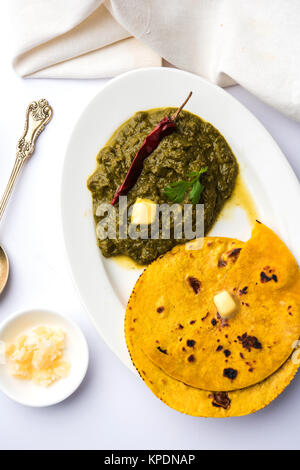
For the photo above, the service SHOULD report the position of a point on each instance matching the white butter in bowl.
(43, 357)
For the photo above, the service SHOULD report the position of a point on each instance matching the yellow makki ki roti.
(208, 404)
(175, 331)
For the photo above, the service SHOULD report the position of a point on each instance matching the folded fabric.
(255, 44)
(73, 39)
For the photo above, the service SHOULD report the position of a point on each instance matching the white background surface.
(112, 409)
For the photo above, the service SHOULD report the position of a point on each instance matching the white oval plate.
(76, 353)
(103, 285)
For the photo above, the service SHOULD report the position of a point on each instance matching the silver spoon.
(38, 115)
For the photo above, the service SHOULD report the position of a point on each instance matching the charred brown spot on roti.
(234, 253)
(190, 343)
(243, 291)
(231, 255)
(180, 326)
(270, 271)
(192, 322)
(191, 358)
(220, 400)
(219, 348)
(164, 351)
(230, 373)
(265, 278)
(223, 322)
(204, 318)
(195, 284)
(160, 309)
(227, 352)
(249, 342)
(221, 263)
(214, 322)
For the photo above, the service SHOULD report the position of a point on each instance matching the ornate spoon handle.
(38, 114)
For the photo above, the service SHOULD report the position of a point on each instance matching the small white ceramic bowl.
(76, 352)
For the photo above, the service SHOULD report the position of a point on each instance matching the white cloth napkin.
(254, 43)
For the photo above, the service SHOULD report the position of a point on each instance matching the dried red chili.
(165, 127)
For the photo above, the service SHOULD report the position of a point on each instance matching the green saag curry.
(195, 147)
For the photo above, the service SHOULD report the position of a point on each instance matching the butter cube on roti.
(225, 304)
(143, 212)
